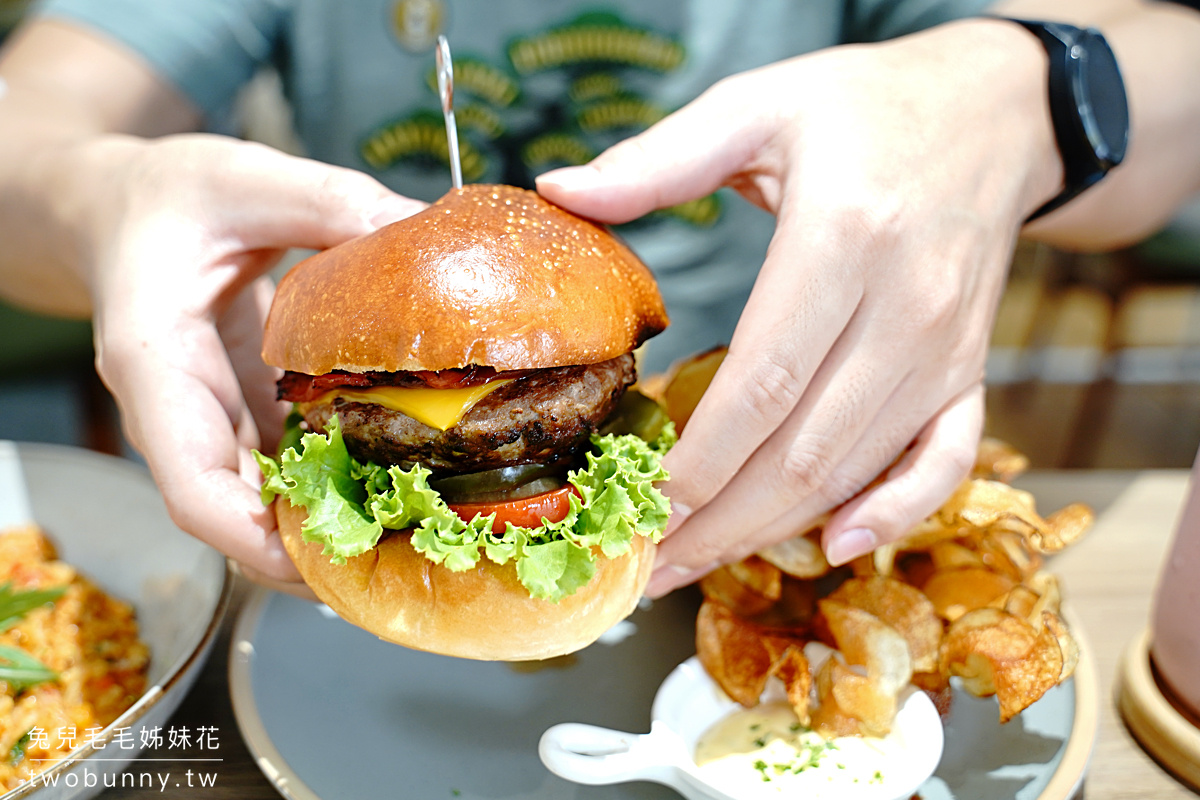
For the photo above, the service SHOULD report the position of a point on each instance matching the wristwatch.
(1087, 105)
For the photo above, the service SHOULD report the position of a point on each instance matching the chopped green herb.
(15, 605)
(18, 749)
(761, 741)
(761, 766)
(21, 670)
(755, 726)
(878, 777)
(813, 759)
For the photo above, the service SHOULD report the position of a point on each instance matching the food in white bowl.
(107, 519)
(693, 721)
(71, 659)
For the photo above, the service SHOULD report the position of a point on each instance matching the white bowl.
(687, 704)
(108, 520)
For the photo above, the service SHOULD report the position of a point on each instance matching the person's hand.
(899, 175)
(183, 233)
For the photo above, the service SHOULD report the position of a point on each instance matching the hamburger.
(468, 471)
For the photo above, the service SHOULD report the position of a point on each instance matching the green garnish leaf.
(17, 752)
(351, 504)
(15, 605)
(21, 670)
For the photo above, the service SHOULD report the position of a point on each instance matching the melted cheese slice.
(437, 408)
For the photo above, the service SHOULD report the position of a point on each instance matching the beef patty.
(544, 417)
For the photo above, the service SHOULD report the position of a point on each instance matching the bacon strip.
(296, 387)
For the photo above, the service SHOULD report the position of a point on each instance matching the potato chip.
(975, 564)
(1049, 595)
(954, 555)
(732, 652)
(790, 665)
(758, 575)
(861, 698)
(686, 382)
(1063, 528)
(904, 608)
(954, 592)
(748, 587)
(800, 556)
(934, 529)
(1007, 553)
(1022, 601)
(883, 558)
(994, 652)
(998, 461)
(864, 639)
(987, 503)
(984, 504)
(1066, 644)
(723, 586)
(828, 718)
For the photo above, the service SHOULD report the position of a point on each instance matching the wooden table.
(1108, 579)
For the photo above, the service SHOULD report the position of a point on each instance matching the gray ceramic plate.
(108, 520)
(330, 711)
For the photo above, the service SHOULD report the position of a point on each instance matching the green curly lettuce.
(350, 504)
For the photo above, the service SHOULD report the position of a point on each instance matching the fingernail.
(570, 179)
(850, 544)
(393, 209)
(679, 515)
(671, 576)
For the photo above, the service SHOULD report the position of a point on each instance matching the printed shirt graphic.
(538, 85)
(555, 97)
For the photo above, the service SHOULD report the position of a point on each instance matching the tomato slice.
(527, 512)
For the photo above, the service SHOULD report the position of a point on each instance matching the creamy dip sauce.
(764, 752)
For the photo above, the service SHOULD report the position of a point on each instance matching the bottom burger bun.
(484, 613)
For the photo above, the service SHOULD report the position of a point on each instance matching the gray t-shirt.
(537, 85)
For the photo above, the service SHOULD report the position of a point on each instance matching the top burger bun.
(488, 275)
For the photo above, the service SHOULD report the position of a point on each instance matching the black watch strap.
(1088, 107)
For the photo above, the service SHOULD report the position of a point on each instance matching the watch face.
(1101, 92)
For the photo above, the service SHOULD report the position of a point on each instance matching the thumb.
(685, 156)
(279, 201)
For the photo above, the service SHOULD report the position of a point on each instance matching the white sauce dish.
(689, 704)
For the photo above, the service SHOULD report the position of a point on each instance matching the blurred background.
(1095, 359)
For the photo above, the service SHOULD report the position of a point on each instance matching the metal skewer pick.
(445, 79)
